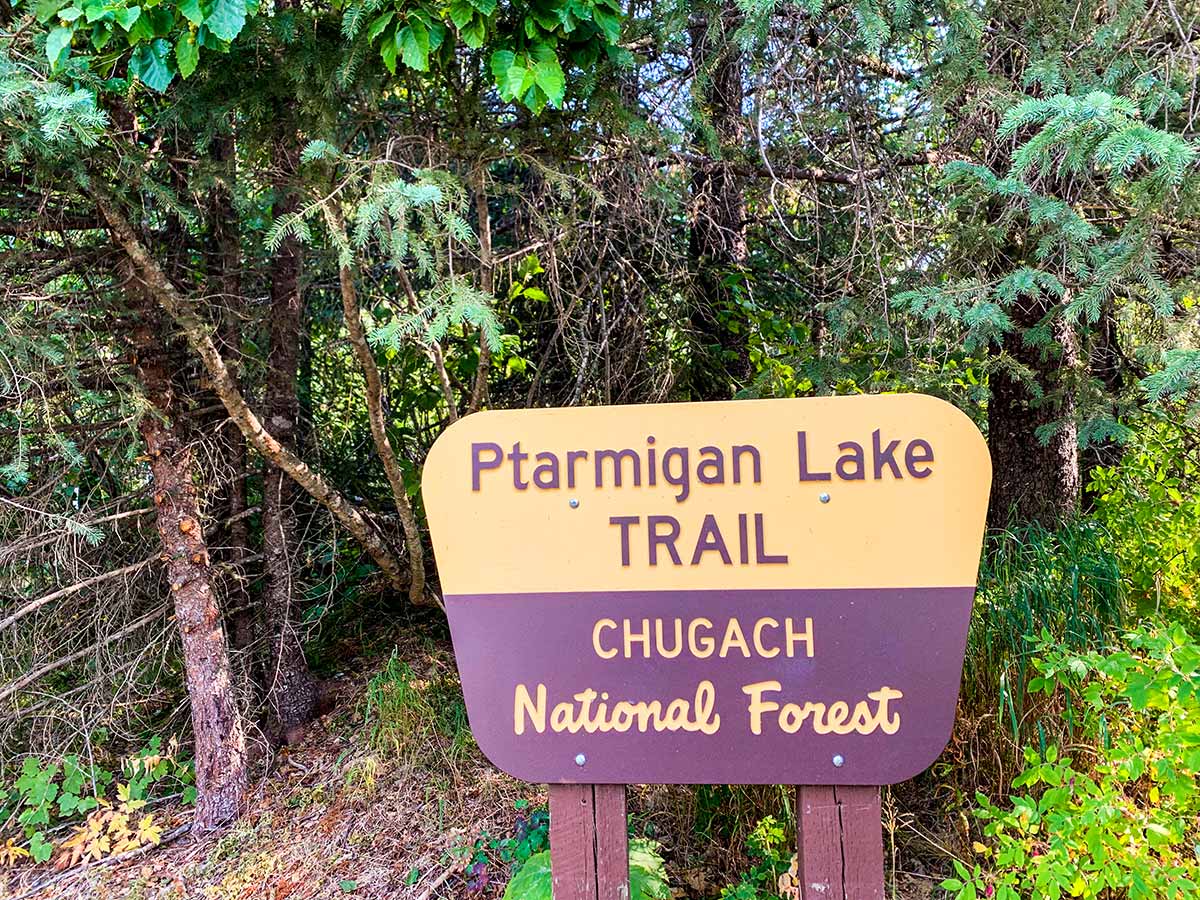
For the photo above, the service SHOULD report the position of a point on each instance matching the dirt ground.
(333, 817)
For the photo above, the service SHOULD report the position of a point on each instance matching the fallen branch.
(37, 674)
(35, 605)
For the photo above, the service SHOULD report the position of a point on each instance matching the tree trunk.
(222, 778)
(199, 339)
(1035, 480)
(717, 244)
(291, 692)
(227, 283)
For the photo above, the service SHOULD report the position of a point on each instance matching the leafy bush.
(770, 849)
(1149, 505)
(48, 794)
(1118, 818)
(647, 875)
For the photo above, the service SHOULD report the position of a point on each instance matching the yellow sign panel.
(841, 492)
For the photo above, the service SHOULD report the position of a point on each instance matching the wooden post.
(839, 849)
(589, 842)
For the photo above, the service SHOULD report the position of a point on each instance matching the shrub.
(647, 875)
(1116, 817)
(1065, 582)
(51, 793)
(1149, 505)
(770, 849)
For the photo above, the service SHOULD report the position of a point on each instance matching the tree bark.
(291, 691)
(486, 284)
(717, 243)
(200, 340)
(227, 282)
(222, 778)
(1035, 480)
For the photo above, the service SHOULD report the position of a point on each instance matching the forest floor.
(337, 815)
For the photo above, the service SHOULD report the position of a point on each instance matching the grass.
(415, 715)
(1065, 582)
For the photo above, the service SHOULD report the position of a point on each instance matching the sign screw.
(824, 498)
(580, 759)
(574, 504)
(838, 760)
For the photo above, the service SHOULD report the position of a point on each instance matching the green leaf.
(348, 885)
(532, 881)
(128, 16)
(46, 9)
(502, 61)
(437, 34)
(150, 64)
(487, 7)
(58, 41)
(39, 848)
(376, 27)
(473, 35)
(70, 14)
(388, 49)
(228, 18)
(190, 10)
(412, 42)
(610, 24)
(187, 54)
(548, 75)
(461, 13)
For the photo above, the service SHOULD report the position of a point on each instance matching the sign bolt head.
(838, 760)
(824, 498)
(580, 759)
(574, 504)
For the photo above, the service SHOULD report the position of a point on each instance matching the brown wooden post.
(839, 849)
(589, 843)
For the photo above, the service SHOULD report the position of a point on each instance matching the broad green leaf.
(502, 61)
(487, 7)
(39, 848)
(532, 881)
(128, 16)
(412, 42)
(58, 41)
(548, 75)
(94, 12)
(376, 27)
(517, 80)
(46, 9)
(473, 35)
(187, 54)
(70, 14)
(388, 49)
(190, 10)
(437, 34)
(151, 65)
(461, 13)
(610, 24)
(228, 18)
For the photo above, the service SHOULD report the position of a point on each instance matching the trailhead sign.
(764, 591)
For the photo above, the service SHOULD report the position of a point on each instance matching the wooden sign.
(771, 591)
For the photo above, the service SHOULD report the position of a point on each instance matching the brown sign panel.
(770, 591)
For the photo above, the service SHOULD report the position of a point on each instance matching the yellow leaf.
(980, 848)
(148, 832)
(10, 853)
